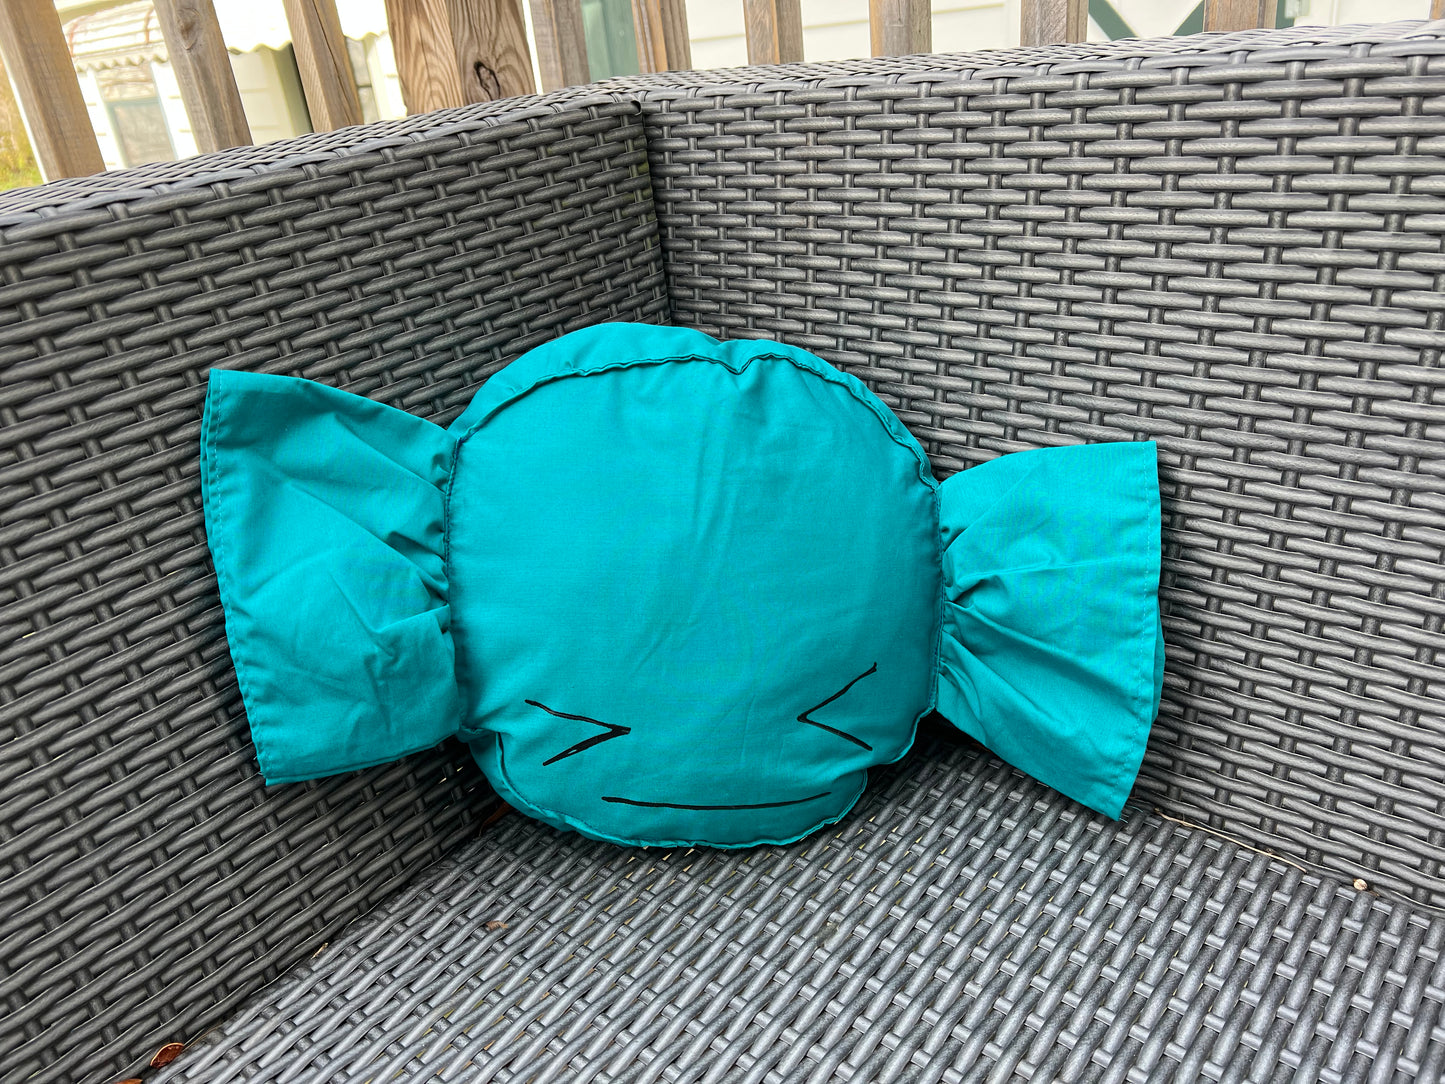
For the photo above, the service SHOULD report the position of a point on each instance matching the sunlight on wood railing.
(40, 69)
(331, 96)
(774, 30)
(458, 52)
(1046, 22)
(561, 43)
(1238, 14)
(203, 70)
(662, 41)
(900, 27)
(453, 52)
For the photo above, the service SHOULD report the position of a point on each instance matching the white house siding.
(1158, 18)
(99, 120)
(265, 97)
(1338, 12)
(381, 65)
(838, 29)
(183, 139)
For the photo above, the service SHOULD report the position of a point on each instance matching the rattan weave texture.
(961, 925)
(147, 879)
(315, 149)
(1233, 245)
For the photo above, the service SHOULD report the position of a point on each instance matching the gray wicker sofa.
(1232, 245)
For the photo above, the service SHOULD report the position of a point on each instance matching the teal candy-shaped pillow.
(672, 590)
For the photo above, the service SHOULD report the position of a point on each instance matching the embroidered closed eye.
(613, 731)
(803, 718)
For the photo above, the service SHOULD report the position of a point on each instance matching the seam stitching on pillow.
(887, 419)
(848, 383)
(877, 408)
(1144, 689)
(890, 424)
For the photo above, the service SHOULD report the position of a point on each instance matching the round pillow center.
(693, 600)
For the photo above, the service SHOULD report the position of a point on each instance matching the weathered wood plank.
(900, 27)
(457, 52)
(1238, 14)
(561, 43)
(426, 63)
(326, 74)
(1048, 22)
(662, 41)
(203, 69)
(774, 30)
(41, 71)
(493, 58)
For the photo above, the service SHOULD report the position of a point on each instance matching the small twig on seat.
(1359, 883)
(1231, 839)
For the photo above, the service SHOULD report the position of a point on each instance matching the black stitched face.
(803, 718)
(614, 730)
(716, 577)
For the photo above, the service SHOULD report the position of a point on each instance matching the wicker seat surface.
(963, 924)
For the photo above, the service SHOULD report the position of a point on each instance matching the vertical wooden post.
(50, 100)
(899, 27)
(1048, 22)
(325, 65)
(1238, 14)
(203, 71)
(457, 52)
(561, 43)
(662, 41)
(775, 31)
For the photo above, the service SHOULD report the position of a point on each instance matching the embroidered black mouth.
(686, 805)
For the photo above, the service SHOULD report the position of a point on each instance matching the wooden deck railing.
(451, 52)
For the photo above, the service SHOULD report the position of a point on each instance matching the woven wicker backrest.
(1233, 245)
(147, 880)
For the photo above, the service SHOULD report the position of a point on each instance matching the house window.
(136, 116)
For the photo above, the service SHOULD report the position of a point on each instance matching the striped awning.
(115, 37)
(253, 24)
